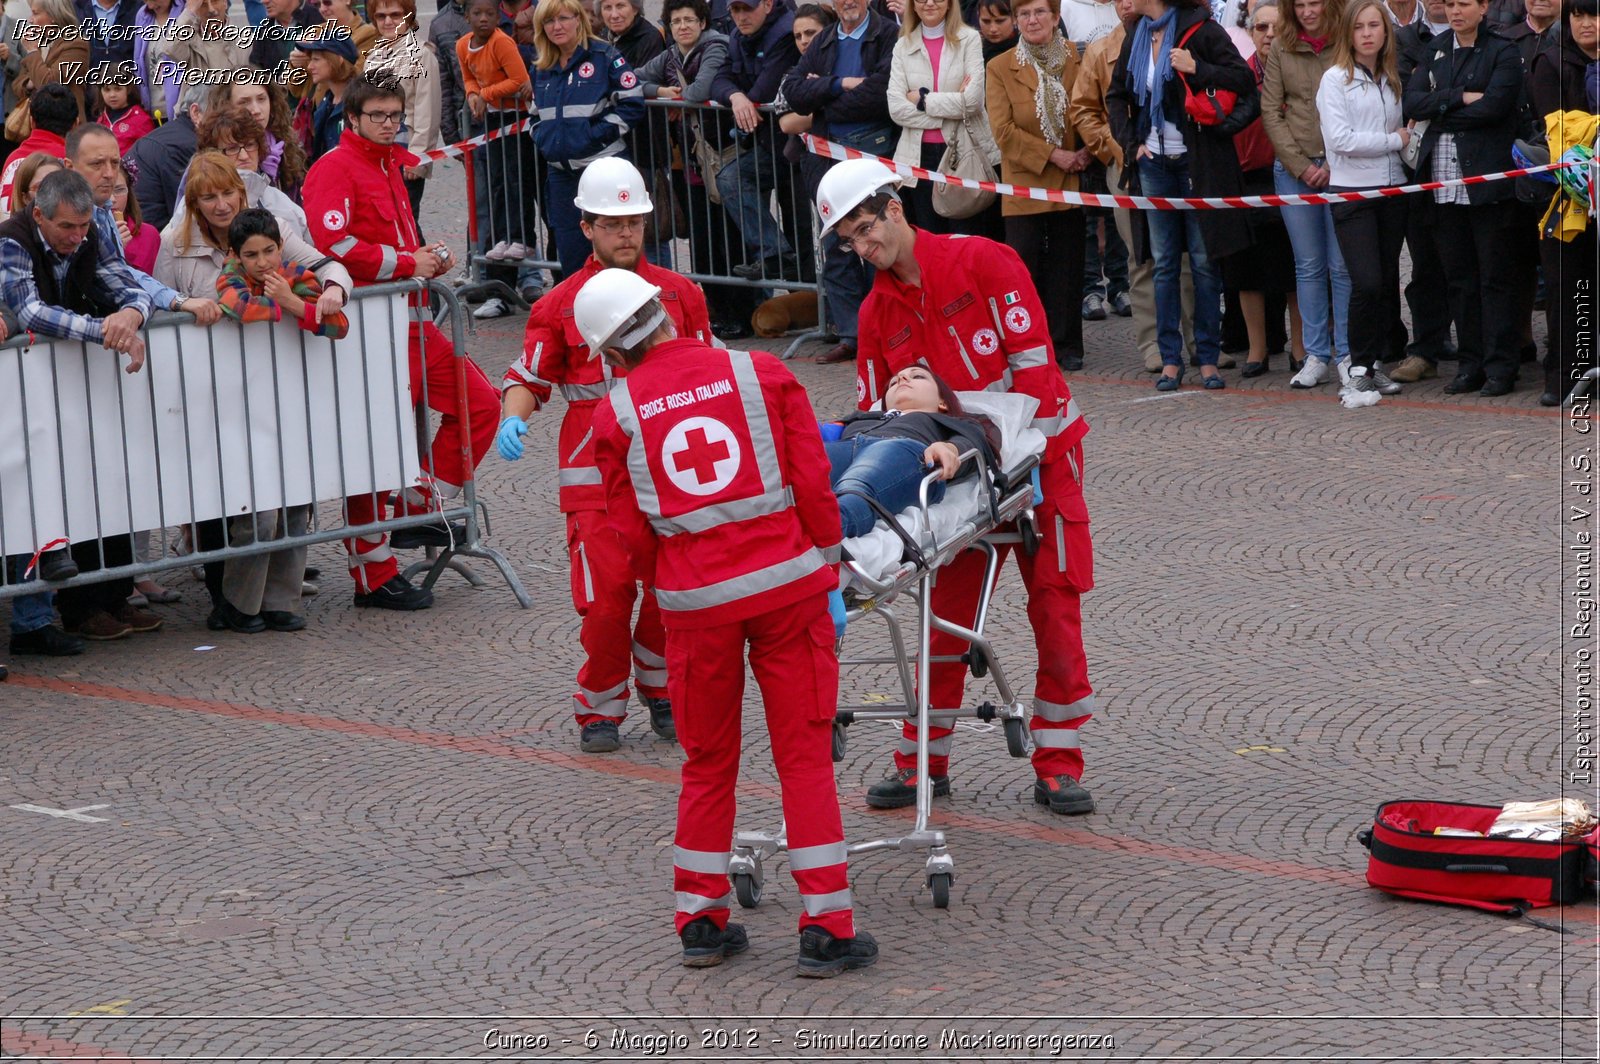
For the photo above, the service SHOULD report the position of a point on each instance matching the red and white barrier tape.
(461, 147)
(831, 150)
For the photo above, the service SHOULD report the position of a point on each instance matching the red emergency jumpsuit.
(977, 322)
(554, 357)
(358, 211)
(716, 480)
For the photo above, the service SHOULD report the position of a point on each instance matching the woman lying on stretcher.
(884, 454)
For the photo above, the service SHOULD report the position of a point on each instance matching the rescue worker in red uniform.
(614, 202)
(358, 211)
(717, 482)
(966, 308)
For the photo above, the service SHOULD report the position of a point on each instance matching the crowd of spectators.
(124, 186)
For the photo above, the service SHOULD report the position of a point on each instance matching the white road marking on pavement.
(68, 814)
(1191, 393)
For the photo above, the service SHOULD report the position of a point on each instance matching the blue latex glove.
(509, 439)
(1038, 492)
(836, 611)
(832, 430)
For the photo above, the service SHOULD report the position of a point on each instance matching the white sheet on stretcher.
(879, 551)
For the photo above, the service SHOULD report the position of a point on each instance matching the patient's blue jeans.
(887, 469)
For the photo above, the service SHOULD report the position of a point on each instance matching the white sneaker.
(1311, 374)
(493, 307)
(1343, 366)
(514, 251)
(498, 252)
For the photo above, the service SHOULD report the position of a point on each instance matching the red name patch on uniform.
(900, 337)
(952, 309)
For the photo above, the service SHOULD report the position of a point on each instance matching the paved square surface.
(377, 838)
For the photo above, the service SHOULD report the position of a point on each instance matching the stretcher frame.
(1009, 502)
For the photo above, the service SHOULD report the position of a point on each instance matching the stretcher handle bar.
(986, 477)
(893, 522)
(883, 712)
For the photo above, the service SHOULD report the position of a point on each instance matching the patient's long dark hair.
(953, 408)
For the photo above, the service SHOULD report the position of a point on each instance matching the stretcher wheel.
(939, 883)
(747, 890)
(1030, 536)
(1017, 738)
(838, 741)
(978, 662)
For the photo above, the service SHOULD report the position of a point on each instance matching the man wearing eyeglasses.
(966, 308)
(358, 211)
(614, 203)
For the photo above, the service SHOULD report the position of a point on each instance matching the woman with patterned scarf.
(1027, 92)
(1170, 51)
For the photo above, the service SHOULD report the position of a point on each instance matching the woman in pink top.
(936, 86)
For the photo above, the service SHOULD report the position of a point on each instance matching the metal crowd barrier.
(698, 229)
(223, 423)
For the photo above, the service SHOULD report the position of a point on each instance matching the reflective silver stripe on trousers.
(694, 903)
(380, 552)
(649, 677)
(588, 579)
(1058, 712)
(825, 856)
(345, 246)
(420, 314)
(822, 904)
(609, 695)
(712, 864)
(1056, 738)
(936, 747)
(1030, 358)
(644, 656)
(725, 513)
(739, 587)
(391, 261)
(572, 478)
(576, 451)
(573, 393)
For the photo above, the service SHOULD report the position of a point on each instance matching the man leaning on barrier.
(53, 275)
(359, 212)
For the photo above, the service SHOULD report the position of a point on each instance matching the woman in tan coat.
(1028, 90)
(1293, 73)
(59, 62)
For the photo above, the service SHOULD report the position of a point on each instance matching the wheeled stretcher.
(898, 561)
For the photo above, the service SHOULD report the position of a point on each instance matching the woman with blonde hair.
(936, 87)
(1362, 128)
(1293, 75)
(588, 98)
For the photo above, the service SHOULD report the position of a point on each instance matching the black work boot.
(661, 718)
(1063, 795)
(705, 945)
(899, 789)
(599, 737)
(822, 956)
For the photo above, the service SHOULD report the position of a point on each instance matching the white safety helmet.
(843, 187)
(616, 308)
(611, 186)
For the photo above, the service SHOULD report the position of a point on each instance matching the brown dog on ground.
(780, 314)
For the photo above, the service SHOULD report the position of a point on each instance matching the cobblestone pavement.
(377, 838)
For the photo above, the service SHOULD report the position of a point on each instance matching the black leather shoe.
(1253, 369)
(225, 617)
(49, 641)
(599, 737)
(823, 956)
(1464, 383)
(437, 534)
(705, 945)
(1063, 795)
(57, 565)
(283, 620)
(1072, 363)
(396, 595)
(731, 330)
(661, 718)
(1550, 399)
(899, 789)
(844, 352)
(1497, 386)
(312, 573)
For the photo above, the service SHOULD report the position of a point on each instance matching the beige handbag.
(963, 158)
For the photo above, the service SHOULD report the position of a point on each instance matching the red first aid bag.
(1500, 875)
